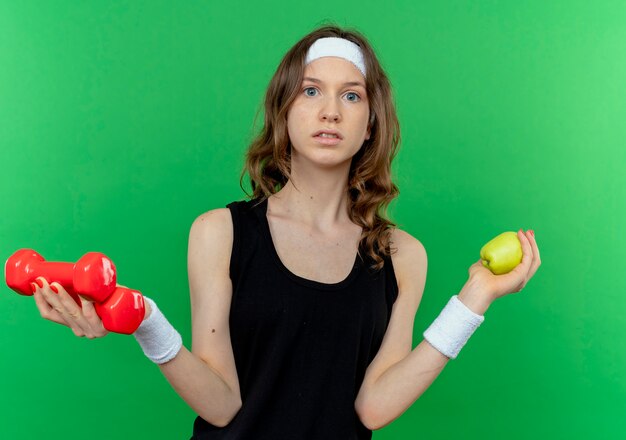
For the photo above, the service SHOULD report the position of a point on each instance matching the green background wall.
(122, 121)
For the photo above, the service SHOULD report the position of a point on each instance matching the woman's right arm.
(206, 377)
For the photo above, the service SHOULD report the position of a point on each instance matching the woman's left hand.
(483, 287)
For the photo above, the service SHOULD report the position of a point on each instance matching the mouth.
(328, 134)
(328, 137)
(327, 140)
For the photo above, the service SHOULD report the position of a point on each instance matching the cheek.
(363, 121)
(295, 121)
(297, 112)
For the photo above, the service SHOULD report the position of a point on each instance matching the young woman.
(303, 297)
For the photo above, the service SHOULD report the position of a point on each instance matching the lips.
(327, 140)
(335, 132)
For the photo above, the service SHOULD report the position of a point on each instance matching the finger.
(535, 261)
(89, 311)
(475, 267)
(536, 254)
(527, 257)
(45, 309)
(73, 313)
(60, 306)
(50, 297)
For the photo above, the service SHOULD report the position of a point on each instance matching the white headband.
(336, 47)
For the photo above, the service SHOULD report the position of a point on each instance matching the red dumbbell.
(121, 309)
(93, 276)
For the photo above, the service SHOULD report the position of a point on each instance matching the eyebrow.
(349, 83)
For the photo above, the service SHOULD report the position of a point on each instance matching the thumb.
(476, 266)
(89, 310)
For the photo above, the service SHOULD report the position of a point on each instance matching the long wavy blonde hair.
(370, 188)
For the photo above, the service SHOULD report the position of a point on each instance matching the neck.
(315, 196)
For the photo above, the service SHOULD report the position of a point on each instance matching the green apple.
(502, 253)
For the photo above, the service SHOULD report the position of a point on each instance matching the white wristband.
(159, 341)
(452, 328)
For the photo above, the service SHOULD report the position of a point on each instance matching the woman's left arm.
(398, 376)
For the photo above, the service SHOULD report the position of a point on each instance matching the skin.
(320, 172)
(316, 199)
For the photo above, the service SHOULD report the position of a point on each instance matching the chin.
(331, 161)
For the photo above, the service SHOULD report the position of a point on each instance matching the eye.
(357, 98)
(309, 88)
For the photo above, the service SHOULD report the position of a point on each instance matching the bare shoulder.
(208, 256)
(210, 244)
(213, 224)
(407, 246)
(409, 259)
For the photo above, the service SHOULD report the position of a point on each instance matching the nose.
(330, 112)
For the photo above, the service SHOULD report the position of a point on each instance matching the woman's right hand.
(62, 309)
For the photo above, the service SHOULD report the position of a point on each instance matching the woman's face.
(332, 97)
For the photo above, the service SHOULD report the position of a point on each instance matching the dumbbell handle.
(62, 273)
(92, 276)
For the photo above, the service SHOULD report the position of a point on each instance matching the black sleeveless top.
(301, 347)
